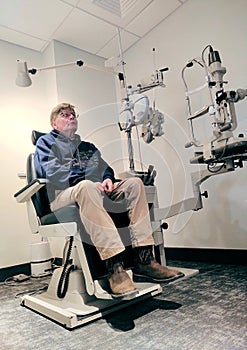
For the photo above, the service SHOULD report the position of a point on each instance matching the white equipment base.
(187, 273)
(71, 316)
(78, 308)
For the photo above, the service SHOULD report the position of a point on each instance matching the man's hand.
(107, 185)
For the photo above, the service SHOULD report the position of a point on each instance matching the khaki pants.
(96, 220)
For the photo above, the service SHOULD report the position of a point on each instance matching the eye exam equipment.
(222, 152)
(136, 111)
(222, 147)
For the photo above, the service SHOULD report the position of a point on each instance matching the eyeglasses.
(68, 115)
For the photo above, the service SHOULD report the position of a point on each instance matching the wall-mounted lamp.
(23, 73)
(23, 78)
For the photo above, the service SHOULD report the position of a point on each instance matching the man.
(77, 173)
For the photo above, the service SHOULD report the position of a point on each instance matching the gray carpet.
(205, 312)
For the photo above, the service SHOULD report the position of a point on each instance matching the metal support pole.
(130, 150)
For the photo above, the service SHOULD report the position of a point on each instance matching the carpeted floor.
(205, 312)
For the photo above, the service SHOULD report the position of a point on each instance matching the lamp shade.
(23, 79)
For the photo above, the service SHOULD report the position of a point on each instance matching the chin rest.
(235, 150)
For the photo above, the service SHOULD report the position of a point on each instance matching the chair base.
(77, 315)
(186, 271)
(77, 307)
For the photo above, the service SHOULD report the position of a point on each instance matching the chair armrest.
(29, 190)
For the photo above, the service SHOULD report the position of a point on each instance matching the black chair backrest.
(35, 136)
(40, 198)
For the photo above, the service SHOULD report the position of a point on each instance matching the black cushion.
(70, 213)
(36, 135)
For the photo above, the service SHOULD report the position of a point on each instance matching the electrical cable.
(203, 52)
(32, 291)
(213, 166)
(223, 151)
(64, 278)
(10, 282)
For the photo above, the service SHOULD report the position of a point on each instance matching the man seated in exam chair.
(78, 174)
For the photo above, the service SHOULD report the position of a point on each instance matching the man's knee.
(85, 185)
(135, 182)
(134, 188)
(85, 188)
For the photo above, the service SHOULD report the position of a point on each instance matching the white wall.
(21, 110)
(25, 109)
(222, 223)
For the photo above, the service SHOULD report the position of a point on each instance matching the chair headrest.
(36, 135)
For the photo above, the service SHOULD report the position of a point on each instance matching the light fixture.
(23, 79)
(23, 73)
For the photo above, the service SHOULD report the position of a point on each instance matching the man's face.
(66, 121)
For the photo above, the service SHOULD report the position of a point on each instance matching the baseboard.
(211, 256)
(8, 272)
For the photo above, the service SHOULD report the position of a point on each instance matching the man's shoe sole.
(125, 296)
(143, 278)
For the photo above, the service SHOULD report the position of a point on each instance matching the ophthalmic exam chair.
(78, 291)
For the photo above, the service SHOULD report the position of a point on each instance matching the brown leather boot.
(147, 269)
(120, 282)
